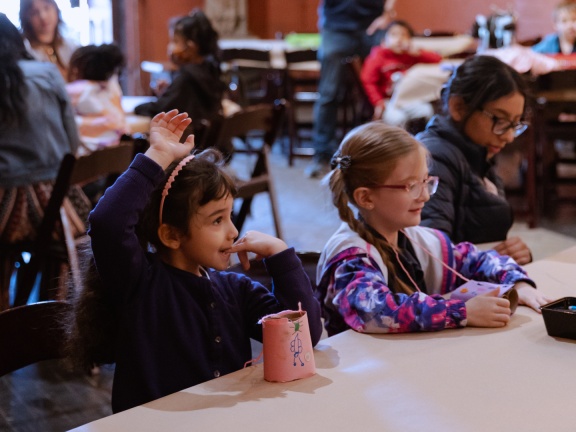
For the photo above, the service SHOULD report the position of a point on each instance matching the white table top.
(131, 102)
(512, 379)
(136, 123)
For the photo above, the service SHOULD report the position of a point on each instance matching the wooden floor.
(46, 398)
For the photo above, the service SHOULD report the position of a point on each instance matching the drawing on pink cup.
(287, 346)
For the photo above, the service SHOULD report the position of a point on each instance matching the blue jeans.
(334, 48)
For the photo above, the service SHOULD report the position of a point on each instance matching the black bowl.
(560, 320)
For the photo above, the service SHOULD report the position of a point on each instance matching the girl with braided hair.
(381, 272)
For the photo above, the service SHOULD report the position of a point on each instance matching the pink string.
(446, 266)
(405, 271)
(170, 180)
(254, 360)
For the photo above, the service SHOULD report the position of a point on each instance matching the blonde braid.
(367, 155)
(340, 197)
(386, 251)
(341, 202)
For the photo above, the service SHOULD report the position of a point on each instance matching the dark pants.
(334, 48)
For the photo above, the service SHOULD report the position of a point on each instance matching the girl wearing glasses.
(484, 107)
(381, 272)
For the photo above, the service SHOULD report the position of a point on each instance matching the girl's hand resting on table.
(516, 249)
(263, 245)
(488, 310)
(530, 296)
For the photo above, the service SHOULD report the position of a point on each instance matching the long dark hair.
(482, 79)
(92, 326)
(26, 25)
(12, 84)
(197, 28)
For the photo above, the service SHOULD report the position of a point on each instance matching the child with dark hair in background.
(386, 65)
(96, 96)
(381, 272)
(162, 237)
(196, 87)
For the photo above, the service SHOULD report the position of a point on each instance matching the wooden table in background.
(137, 123)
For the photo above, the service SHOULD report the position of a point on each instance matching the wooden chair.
(55, 245)
(358, 105)
(256, 123)
(31, 333)
(356, 102)
(300, 92)
(555, 124)
(250, 76)
(517, 166)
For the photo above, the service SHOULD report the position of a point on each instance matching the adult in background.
(37, 129)
(484, 104)
(42, 28)
(347, 28)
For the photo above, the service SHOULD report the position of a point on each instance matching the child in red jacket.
(386, 64)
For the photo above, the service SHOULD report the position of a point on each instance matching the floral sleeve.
(358, 290)
(488, 265)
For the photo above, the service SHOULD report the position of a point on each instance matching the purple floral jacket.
(353, 283)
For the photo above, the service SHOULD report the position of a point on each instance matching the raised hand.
(166, 129)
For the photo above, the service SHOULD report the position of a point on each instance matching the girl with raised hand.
(162, 237)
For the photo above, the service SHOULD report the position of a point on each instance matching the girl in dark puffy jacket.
(484, 110)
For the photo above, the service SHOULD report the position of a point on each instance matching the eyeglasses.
(500, 125)
(415, 189)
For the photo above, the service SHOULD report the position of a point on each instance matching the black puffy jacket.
(462, 207)
(195, 89)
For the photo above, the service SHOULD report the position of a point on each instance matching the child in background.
(182, 320)
(385, 65)
(196, 87)
(564, 40)
(96, 96)
(381, 272)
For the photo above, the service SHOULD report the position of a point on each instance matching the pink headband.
(170, 180)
